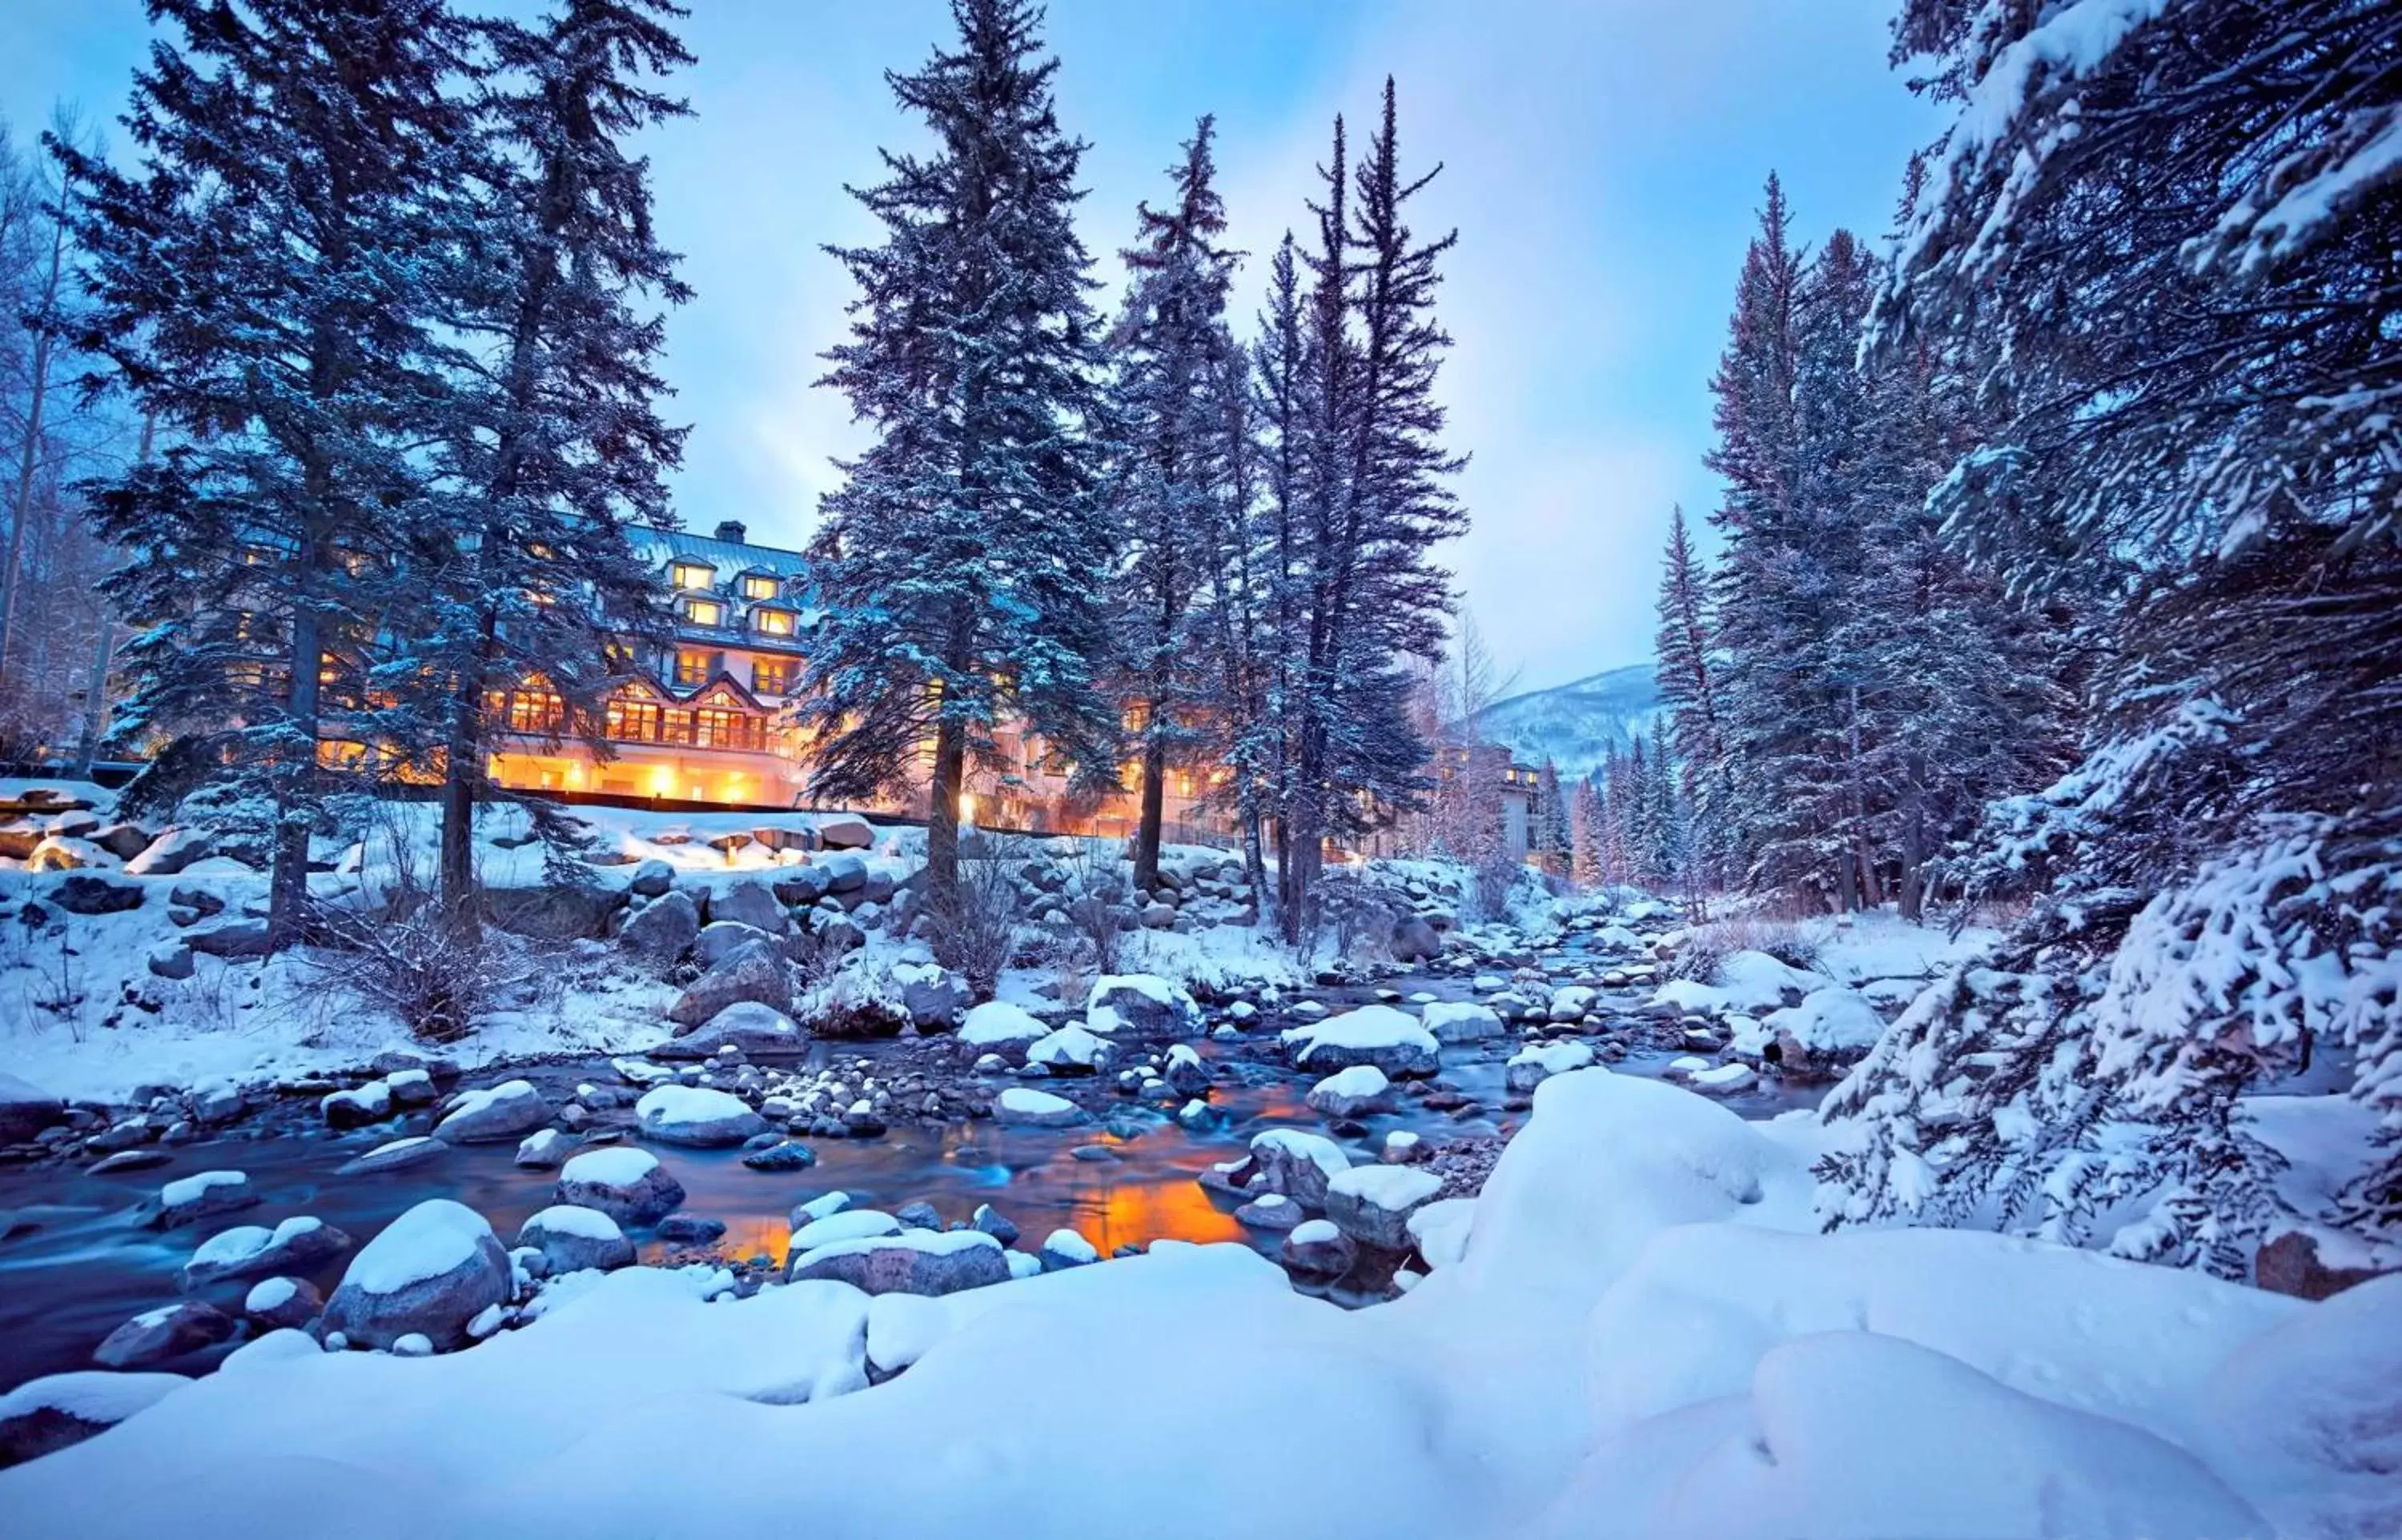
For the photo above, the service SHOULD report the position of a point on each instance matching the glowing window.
(704, 612)
(692, 667)
(692, 574)
(772, 676)
(758, 586)
(774, 622)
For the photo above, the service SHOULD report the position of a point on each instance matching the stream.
(81, 1261)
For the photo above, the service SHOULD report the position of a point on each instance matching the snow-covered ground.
(1646, 1336)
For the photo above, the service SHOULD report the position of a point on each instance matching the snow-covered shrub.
(973, 925)
(1703, 947)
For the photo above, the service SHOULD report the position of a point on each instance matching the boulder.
(750, 1026)
(81, 893)
(1350, 1093)
(358, 1107)
(554, 912)
(1379, 1035)
(1372, 1203)
(696, 1117)
(844, 831)
(933, 996)
(1066, 1248)
(1184, 1072)
(239, 937)
(783, 1155)
(572, 1238)
(720, 937)
(750, 902)
(1315, 1249)
(545, 1149)
(916, 1261)
(170, 853)
(1070, 1050)
(1531, 1066)
(1023, 1106)
(1296, 1163)
(2291, 1264)
(843, 874)
(1414, 939)
(651, 878)
(800, 886)
(756, 970)
(45, 1415)
(663, 930)
(26, 1109)
(993, 1223)
(1140, 1005)
(1460, 1021)
(999, 1023)
(399, 1155)
(188, 1200)
(298, 1244)
(171, 960)
(169, 1332)
(627, 1184)
(508, 1110)
(277, 1303)
(65, 853)
(1270, 1211)
(124, 841)
(428, 1274)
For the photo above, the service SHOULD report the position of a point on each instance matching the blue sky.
(1604, 160)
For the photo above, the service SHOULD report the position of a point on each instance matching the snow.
(1072, 1046)
(1556, 1058)
(243, 1242)
(574, 1220)
(999, 1023)
(935, 1242)
(1745, 981)
(1831, 1018)
(679, 1107)
(1635, 1328)
(1069, 1245)
(90, 1396)
(1368, 1027)
(1460, 1020)
(612, 1165)
(1388, 1186)
(1027, 1102)
(268, 1294)
(1360, 1081)
(184, 1190)
(1315, 1232)
(435, 1237)
(1317, 1149)
(849, 1224)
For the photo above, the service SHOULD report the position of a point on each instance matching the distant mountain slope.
(1574, 724)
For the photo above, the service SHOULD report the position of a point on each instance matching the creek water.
(87, 1262)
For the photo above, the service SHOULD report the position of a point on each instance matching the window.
(759, 586)
(774, 622)
(772, 676)
(717, 727)
(692, 667)
(704, 612)
(692, 574)
(536, 711)
(637, 720)
(675, 727)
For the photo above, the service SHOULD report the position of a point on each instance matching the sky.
(1601, 162)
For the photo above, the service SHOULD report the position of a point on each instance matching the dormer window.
(704, 612)
(772, 623)
(692, 574)
(759, 586)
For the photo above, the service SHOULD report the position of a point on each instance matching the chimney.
(731, 531)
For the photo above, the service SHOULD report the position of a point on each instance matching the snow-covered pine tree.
(1234, 612)
(259, 282)
(1170, 349)
(2162, 236)
(1551, 839)
(1689, 689)
(1588, 832)
(1377, 502)
(965, 559)
(554, 444)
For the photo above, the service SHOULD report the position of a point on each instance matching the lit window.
(704, 612)
(691, 667)
(772, 676)
(759, 586)
(775, 623)
(635, 720)
(692, 574)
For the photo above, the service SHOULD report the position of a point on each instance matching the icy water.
(88, 1263)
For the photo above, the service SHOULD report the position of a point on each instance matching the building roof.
(728, 557)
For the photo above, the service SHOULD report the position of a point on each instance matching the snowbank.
(1635, 1332)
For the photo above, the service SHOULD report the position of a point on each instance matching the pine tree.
(2165, 255)
(256, 284)
(964, 559)
(1172, 346)
(555, 444)
(1552, 840)
(1588, 831)
(1689, 689)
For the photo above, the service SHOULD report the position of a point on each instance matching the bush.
(973, 928)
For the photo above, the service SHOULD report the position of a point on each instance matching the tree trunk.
(31, 457)
(943, 814)
(287, 893)
(1154, 807)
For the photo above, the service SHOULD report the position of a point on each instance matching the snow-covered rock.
(1372, 1203)
(1140, 1005)
(844, 1224)
(395, 1155)
(1071, 1048)
(844, 831)
(916, 1261)
(756, 970)
(696, 1117)
(428, 1272)
(1296, 1163)
(509, 1110)
(1350, 1093)
(1315, 1248)
(1461, 1021)
(160, 1336)
(1000, 1024)
(1390, 1040)
(298, 1244)
(627, 1184)
(663, 930)
(1026, 1107)
(753, 1026)
(188, 1200)
(572, 1238)
(47, 1414)
(1066, 1248)
(1531, 1066)
(1724, 1080)
(280, 1302)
